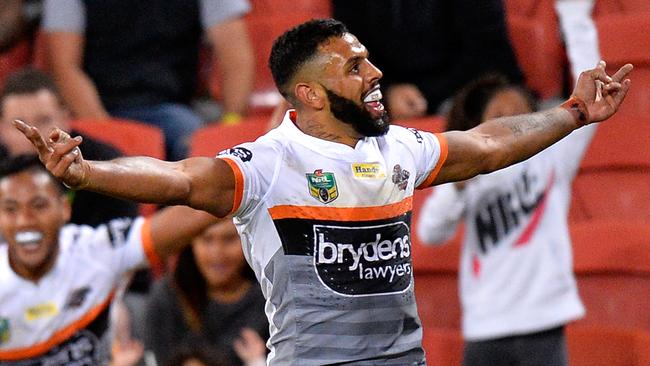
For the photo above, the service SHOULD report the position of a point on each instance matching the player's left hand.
(59, 153)
(602, 94)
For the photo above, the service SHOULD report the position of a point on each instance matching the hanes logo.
(40, 311)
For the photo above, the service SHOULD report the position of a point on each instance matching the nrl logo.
(4, 330)
(322, 186)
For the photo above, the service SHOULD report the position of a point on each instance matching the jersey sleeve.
(215, 12)
(254, 165)
(440, 215)
(64, 15)
(568, 152)
(123, 244)
(429, 151)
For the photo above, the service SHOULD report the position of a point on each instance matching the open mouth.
(29, 238)
(372, 101)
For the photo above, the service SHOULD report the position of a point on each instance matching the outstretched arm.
(172, 228)
(502, 142)
(202, 183)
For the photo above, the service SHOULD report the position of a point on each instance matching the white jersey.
(516, 270)
(63, 318)
(326, 228)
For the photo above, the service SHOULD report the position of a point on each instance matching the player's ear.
(310, 95)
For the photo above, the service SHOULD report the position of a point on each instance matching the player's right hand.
(59, 153)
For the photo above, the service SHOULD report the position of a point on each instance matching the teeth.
(28, 237)
(373, 96)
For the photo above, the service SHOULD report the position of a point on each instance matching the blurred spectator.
(59, 279)
(139, 59)
(32, 96)
(196, 354)
(428, 49)
(517, 285)
(125, 350)
(516, 281)
(18, 21)
(212, 295)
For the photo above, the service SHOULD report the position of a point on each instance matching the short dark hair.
(470, 102)
(297, 45)
(26, 162)
(28, 81)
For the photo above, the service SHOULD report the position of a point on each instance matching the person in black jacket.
(429, 49)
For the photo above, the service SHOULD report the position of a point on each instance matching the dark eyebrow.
(353, 60)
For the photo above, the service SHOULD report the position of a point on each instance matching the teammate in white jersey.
(58, 279)
(323, 202)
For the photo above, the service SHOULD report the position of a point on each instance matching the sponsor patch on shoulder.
(418, 136)
(241, 152)
(40, 311)
(368, 171)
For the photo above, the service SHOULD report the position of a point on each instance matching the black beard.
(358, 117)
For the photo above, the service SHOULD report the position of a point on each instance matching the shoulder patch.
(418, 136)
(241, 152)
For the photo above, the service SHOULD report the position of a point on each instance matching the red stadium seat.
(131, 137)
(14, 59)
(603, 8)
(534, 31)
(443, 347)
(432, 123)
(632, 28)
(315, 8)
(210, 140)
(267, 20)
(436, 275)
(612, 266)
(614, 176)
(613, 194)
(607, 346)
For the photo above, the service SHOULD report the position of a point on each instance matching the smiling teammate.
(323, 202)
(59, 279)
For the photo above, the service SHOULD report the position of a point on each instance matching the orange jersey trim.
(59, 336)
(342, 213)
(239, 184)
(443, 157)
(147, 245)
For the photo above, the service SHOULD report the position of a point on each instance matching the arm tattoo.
(533, 122)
